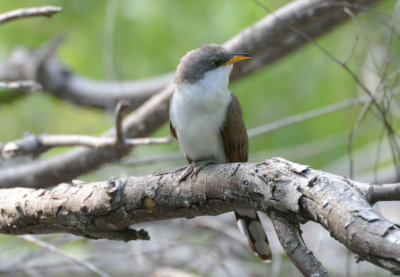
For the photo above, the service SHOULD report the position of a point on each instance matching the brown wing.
(234, 134)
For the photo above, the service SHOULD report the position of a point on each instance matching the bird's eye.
(216, 62)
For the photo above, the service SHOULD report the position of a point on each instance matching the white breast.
(197, 113)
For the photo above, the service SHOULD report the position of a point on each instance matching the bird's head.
(210, 59)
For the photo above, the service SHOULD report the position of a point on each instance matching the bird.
(206, 120)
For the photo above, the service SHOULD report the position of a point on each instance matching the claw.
(187, 172)
(195, 167)
(200, 165)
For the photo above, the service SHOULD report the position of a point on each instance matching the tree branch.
(308, 16)
(289, 235)
(24, 86)
(119, 112)
(47, 11)
(107, 209)
(36, 145)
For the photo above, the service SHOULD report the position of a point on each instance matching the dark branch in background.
(47, 11)
(312, 17)
(107, 209)
(61, 82)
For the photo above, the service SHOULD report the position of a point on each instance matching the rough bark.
(289, 234)
(289, 192)
(314, 17)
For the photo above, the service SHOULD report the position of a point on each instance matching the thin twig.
(119, 112)
(51, 248)
(35, 145)
(23, 85)
(351, 14)
(47, 11)
(334, 59)
(389, 41)
(353, 134)
(378, 155)
(306, 116)
(108, 48)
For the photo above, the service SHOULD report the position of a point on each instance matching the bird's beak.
(235, 57)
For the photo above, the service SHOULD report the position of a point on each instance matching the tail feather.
(250, 225)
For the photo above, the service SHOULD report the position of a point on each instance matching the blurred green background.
(149, 37)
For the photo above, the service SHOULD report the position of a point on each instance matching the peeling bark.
(289, 192)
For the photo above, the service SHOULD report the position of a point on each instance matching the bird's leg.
(201, 164)
(187, 171)
(195, 167)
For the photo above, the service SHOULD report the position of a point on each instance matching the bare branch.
(119, 111)
(307, 116)
(107, 209)
(36, 145)
(24, 86)
(378, 192)
(289, 235)
(47, 11)
(49, 247)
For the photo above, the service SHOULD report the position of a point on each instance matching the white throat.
(197, 113)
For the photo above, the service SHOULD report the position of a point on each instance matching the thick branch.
(47, 11)
(107, 209)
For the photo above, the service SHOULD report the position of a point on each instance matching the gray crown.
(198, 61)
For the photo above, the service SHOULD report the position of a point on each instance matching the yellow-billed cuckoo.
(206, 119)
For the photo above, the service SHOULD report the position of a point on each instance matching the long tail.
(250, 225)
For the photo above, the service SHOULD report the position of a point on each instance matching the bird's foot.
(195, 168)
(202, 164)
(187, 172)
